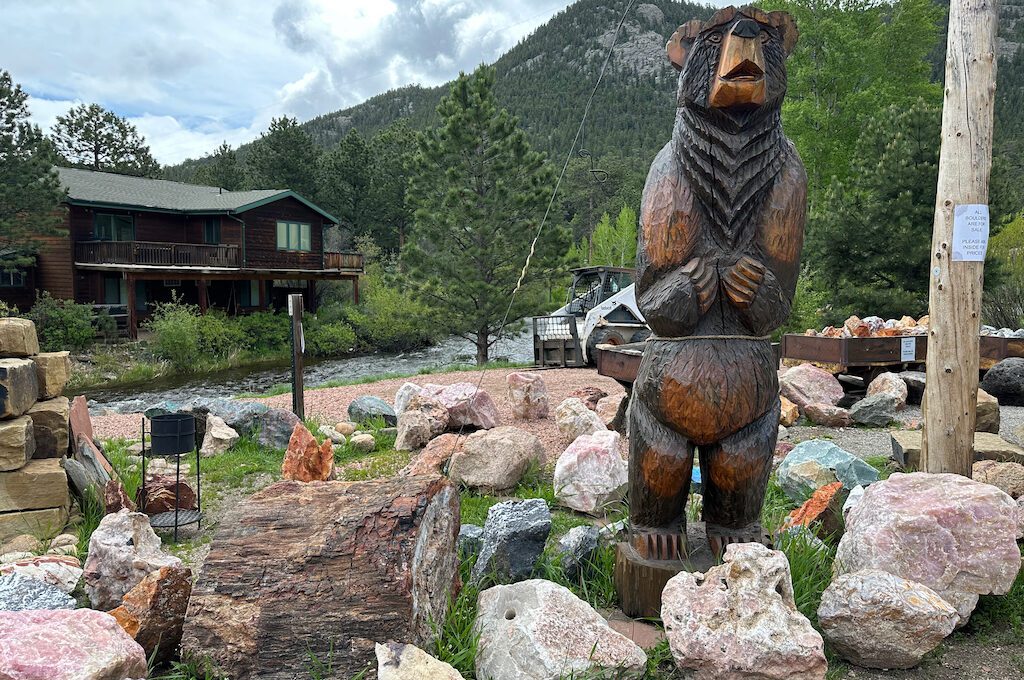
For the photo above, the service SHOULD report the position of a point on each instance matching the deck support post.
(204, 300)
(355, 290)
(955, 279)
(133, 314)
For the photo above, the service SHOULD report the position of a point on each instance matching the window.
(249, 293)
(13, 279)
(115, 290)
(211, 231)
(294, 236)
(113, 227)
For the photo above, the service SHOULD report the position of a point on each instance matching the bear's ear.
(786, 27)
(681, 41)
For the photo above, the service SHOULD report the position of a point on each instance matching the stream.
(259, 379)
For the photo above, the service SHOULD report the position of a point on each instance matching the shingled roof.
(107, 189)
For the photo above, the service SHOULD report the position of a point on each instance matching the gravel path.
(330, 405)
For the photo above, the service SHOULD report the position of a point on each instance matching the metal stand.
(177, 517)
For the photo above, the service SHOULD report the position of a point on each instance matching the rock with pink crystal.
(62, 644)
(950, 533)
(739, 620)
(591, 473)
(467, 405)
(528, 395)
(807, 384)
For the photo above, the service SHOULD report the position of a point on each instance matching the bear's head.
(734, 63)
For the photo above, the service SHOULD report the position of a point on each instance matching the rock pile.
(874, 327)
(33, 433)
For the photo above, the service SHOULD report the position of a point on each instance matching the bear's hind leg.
(660, 466)
(735, 475)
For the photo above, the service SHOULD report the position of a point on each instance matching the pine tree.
(89, 136)
(284, 157)
(222, 170)
(479, 192)
(870, 240)
(392, 150)
(343, 183)
(614, 243)
(30, 191)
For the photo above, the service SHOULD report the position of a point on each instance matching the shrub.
(1003, 306)
(175, 327)
(390, 319)
(219, 336)
(328, 339)
(7, 310)
(266, 331)
(106, 325)
(62, 324)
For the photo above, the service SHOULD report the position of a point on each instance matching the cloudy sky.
(191, 73)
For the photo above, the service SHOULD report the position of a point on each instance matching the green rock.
(817, 462)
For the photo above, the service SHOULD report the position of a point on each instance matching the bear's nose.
(746, 28)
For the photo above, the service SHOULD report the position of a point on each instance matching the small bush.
(106, 325)
(266, 331)
(390, 320)
(62, 324)
(7, 310)
(328, 339)
(175, 327)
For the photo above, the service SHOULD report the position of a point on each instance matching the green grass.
(92, 511)
(285, 388)
(998, 617)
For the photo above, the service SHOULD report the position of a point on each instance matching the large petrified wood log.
(324, 569)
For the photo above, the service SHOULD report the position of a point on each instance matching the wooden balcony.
(157, 254)
(347, 261)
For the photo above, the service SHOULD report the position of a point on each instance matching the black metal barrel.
(173, 434)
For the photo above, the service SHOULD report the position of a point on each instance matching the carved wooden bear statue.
(722, 223)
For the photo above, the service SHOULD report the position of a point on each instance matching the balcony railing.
(157, 253)
(349, 261)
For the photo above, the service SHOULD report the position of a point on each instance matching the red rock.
(434, 457)
(153, 612)
(115, 497)
(857, 328)
(305, 460)
(828, 415)
(832, 332)
(81, 423)
(817, 508)
(782, 450)
(467, 406)
(589, 396)
(160, 494)
(80, 644)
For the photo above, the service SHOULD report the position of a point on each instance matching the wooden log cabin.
(132, 241)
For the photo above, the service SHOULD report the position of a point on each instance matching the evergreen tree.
(479, 192)
(89, 136)
(284, 157)
(30, 191)
(222, 170)
(391, 149)
(871, 239)
(343, 183)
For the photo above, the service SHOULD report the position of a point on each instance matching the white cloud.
(192, 73)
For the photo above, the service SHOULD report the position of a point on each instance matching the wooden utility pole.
(959, 238)
(298, 347)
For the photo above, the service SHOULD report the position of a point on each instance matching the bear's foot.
(720, 537)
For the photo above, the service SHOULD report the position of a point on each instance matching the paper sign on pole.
(908, 349)
(970, 232)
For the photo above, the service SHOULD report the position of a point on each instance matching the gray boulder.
(20, 593)
(915, 385)
(577, 549)
(366, 408)
(514, 536)
(275, 428)
(1005, 381)
(470, 539)
(814, 463)
(878, 410)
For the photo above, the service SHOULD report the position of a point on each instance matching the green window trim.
(12, 279)
(211, 231)
(295, 236)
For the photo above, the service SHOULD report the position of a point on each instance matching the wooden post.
(355, 290)
(263, 293)
(133, 315)
(955, 285)
(298, 346)
(204, 301)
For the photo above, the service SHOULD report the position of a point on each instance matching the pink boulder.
(589, 396)
(591, 473)
(433, 459)
(828, 415)
(62, 644)
(950, 533)
(528, 395)
(807, 384)
(608, 408)
(467, 406)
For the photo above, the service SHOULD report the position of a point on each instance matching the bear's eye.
(765, 36)
(715, 38)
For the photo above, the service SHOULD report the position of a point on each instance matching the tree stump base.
(639, 581)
